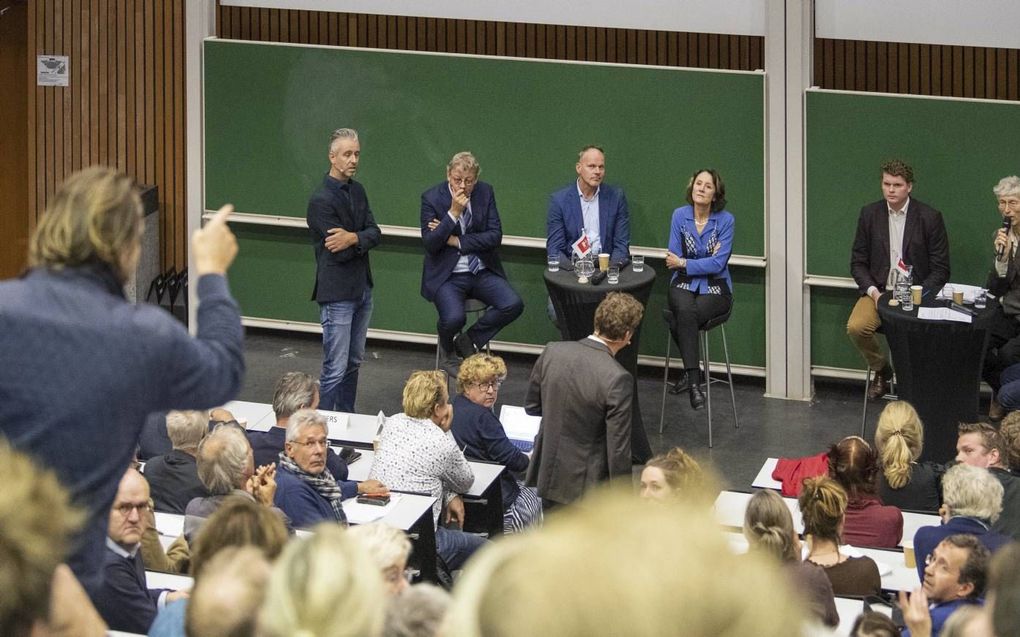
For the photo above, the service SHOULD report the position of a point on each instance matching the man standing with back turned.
(343, 231)
(889, 231)
(584, 398)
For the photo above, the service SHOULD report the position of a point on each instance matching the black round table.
(938, 369)
(575, 303)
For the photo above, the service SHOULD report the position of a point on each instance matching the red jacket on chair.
(792, 471)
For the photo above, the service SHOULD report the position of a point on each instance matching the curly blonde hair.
(479, 368)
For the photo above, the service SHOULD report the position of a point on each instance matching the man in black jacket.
(343, 230)
(173, 477)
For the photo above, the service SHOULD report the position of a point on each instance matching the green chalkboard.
(269, 110)
(959, 150)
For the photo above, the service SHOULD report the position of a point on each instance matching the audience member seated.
(389, 548)
(123, 598)
(175, 558)
(955, 576)
(417, 453)
(173, 477)
(238, 522)
(40, 595)
(294, 391)
(672, 476)
(306, 491)
(222, 416)
(1009, 429)
(980, 445)
(1004, 591)
(854, 465)
(972, 501)
(153, 440)
(226, 467)
(324, 586)
(904, 482)
(479, 433)
(612, 565)
(768, 527)
(874, 624)
(823, 505)
(417, 612)
(227, 599)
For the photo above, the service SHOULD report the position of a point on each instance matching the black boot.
(680, 384)
(697, 397)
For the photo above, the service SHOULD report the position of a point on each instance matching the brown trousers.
(861, 329)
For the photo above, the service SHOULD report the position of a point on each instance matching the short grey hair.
(466, 161)
(294, 390)
(385, 544)
(417, 612)
(186, 429)
(341, 133)
(1007, 187)
(972, 492)
(303, 419)
(222, 459)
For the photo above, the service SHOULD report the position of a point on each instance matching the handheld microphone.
(1007, 223)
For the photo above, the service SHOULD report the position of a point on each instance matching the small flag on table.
(582, 247)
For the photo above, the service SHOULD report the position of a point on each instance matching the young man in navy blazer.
(461, 231)
(588, 206)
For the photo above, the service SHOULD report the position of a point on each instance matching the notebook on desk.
(520, 428)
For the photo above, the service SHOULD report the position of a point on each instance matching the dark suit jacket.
(123, 600)
(565, 221)
(584, 398)
(925, 246)
(173, 481)
(485, 234)
(341, 276)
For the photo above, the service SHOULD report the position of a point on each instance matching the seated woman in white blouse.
(417, 453)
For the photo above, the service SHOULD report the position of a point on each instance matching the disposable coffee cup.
(915, 294)
(958, 297)
(603, 261)
(909, 559)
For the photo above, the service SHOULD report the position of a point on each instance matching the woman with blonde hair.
(672, 475)
(903, 481)
(768, 527)
(823, 505)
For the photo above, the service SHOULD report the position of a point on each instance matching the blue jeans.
(455, 547)
(1009, 393)
(504, 306)
(344, 328)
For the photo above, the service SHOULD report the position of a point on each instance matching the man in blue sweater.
(83, 367)
(955, 575)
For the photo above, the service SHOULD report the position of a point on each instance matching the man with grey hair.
(462, 233)
(971, 503)
(227, 596)
(173, 477)
(343, 231)
(306, 491)
(226, 467)
(1002, 354)
(296, 391)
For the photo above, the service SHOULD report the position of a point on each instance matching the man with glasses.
(981, 445)
(462, 233)
(955, 575)
(123, 599)
(1003, 349)
(305, 489)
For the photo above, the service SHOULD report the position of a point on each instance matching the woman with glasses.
(479, 433)
(1003, 348)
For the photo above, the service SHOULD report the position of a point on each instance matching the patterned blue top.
(707, 253)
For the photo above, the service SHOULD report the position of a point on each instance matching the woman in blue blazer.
(700, 242)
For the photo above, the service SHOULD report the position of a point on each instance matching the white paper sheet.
(942, 314)
(517, 424)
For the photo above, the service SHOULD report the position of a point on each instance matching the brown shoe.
(996, 412)
(879, 386)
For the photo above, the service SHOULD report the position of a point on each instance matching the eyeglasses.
(125, 508)
(1009, 203)
(463, 181)
(492, 385)
(324, 443)
(939, 564)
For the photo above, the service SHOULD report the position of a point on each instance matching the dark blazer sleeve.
(620, 218)
(369, 233)
(491, 236)
(860, 254)
(556, 230)
(618, 425)
(122, 601)
(533, 398)
(937, 242)
(432, 207)
(497, 446)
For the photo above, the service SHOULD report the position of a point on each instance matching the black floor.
(768, 426)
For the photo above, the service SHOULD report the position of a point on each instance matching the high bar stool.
(703, 331)
(472, 307)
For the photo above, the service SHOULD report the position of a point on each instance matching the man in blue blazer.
(591, 207)
(461, 231)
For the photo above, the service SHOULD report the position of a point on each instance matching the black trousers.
(692, 310)
(1003, 347)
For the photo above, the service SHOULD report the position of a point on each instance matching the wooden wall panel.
(918, 69)
(124, 106)
(593, 44)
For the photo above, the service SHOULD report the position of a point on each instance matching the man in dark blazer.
(897, 228)
(584, 398)
(122, 598)
(461, 231)
(343, 231)
(591, 207)
(173, 476)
